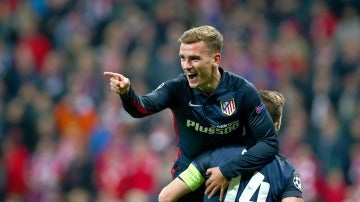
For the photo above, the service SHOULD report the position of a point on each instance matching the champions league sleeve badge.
(297, 181)
(260, 108)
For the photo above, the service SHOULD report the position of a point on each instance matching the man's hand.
(118, 83)
(216, 182)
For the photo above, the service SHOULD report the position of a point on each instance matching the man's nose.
(187, 64)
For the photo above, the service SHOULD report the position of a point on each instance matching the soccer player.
(211, 107)
(277, 181)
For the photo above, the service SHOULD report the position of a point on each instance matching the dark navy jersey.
(203, 122)
(275, 181)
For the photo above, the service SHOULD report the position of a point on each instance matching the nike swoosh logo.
(193, 105)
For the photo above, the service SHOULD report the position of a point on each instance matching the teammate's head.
(274, 102)
(208, 34)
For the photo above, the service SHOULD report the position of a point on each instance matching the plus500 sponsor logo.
(220, 130)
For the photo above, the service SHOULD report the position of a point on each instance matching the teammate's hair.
(210, 35)
(274, 102)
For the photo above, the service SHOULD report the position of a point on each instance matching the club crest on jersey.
(228, 106)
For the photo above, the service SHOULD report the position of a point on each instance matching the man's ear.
(217, 58)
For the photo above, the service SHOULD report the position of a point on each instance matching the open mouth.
(191, 75)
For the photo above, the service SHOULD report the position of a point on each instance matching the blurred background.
(65, 136)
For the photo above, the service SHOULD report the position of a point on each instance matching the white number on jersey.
(255, 182)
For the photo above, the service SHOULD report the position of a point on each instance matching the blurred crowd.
(65, 136)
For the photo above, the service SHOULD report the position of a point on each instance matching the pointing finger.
(112, 74)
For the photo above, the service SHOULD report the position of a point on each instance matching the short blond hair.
(274, 102)
(206, 33)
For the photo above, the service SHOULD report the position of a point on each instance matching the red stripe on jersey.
(176, 127)
(141, 109)
(178, 154)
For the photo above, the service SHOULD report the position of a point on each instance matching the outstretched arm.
(138, 106)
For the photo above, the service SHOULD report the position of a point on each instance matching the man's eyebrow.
(190, 56)
(194, 57)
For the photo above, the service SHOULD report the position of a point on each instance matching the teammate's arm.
(173, 191)
(188, 181)
(292, 192)
(293, 199)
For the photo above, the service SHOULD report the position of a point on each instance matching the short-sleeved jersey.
(275, 181)
(204, 122)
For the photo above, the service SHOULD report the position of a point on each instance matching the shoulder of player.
(279, 169)
(235, 80)
(284, 164)
(177, 82)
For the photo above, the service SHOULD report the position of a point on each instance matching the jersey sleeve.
(260, 125)
(293, 188)
(141, 106)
